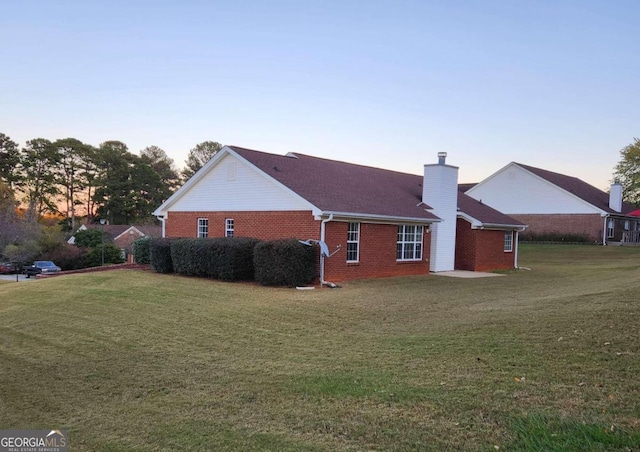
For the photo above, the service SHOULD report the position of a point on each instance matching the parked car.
(6, 268)
(41, 267)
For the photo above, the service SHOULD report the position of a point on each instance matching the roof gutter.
(513, 227)
(385, 218)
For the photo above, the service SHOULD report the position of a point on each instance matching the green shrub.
(90, 238)
(112, 255)
(140, 250)
(554, 237)
(67, 257)
(190, 257)
(160, 255)
(229, 259)
(234, 258)
(285, 263)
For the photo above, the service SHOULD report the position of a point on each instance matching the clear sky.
(548, 83)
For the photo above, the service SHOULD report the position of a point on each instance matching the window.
(626, 225)
(409, 243)
(203, 227)
(353, 242)
(228, 227)
(610, 228)
(508, 241)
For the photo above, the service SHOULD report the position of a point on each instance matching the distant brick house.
(377, 222)
(554, 203)
(122, 235)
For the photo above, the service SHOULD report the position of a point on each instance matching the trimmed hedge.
(234, 258)
(184, 255)
(285, 262)
(140, 249)
(229, 259)
(160, 255)
(554, 237)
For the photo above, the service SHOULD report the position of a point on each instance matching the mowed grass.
(547, 359)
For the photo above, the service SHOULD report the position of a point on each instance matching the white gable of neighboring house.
(513, 190)
(230, 183)
(72, 239)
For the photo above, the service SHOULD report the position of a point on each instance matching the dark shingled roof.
(335, 186)
(579, 188)
(465, 187)
(344, 187)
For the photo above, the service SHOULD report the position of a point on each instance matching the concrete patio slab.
(466, 274)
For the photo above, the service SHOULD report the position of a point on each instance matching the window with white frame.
(626, 225)
(203, 227)
(409, 246)
(508, 241)
(610, 228)
(353, 242)
(228, 227)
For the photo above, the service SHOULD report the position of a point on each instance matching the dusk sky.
(552, 84)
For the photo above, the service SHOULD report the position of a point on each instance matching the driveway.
(13, 278)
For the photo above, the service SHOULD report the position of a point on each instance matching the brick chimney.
(615, 197)
(440, 191)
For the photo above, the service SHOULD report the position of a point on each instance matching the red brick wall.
(127, 240)
(589, 225)
(465, 246)
(490, 254)
(377, 241)
(261, 225)
(377, 253)
(481, 249)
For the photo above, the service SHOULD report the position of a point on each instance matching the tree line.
(74, 179)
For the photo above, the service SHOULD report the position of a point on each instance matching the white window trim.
(357, 242)
(203, 227)
(414, 242)
(509, 235)
(229, 227)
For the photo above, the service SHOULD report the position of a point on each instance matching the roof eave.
(378, 218)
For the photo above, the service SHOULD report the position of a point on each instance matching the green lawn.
(547, 359)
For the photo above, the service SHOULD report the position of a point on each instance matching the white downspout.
(161, 218)
(322, 236)
(604, 231)
(515, 257)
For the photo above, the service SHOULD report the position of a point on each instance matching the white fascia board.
(314, 209)
(488, 178)
(474, 222)
(163, 209)
(346, 216)
(477, 224)
(503, 227)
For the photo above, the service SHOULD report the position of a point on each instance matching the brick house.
(554, 203)
(122, 235)
(374, 222)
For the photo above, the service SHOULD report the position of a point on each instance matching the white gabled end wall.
(440, 191)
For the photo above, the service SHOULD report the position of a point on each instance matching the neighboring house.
(554, 203)
(375, 222)
(122, 235)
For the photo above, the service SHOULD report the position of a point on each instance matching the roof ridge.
(326, 160)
